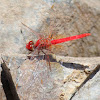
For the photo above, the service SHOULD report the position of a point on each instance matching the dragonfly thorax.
(42, 43)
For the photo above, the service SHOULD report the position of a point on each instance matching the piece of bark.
(8, 84)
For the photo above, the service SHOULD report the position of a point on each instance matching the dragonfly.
(44, 43)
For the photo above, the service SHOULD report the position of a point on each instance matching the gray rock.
(34, 80)
(64, 19)
(91, 90)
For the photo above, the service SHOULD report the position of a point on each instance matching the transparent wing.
(36, 33)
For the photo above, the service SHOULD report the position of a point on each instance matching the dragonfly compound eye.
(31, 42)
(29, 45)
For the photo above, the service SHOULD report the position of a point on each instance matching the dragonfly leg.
(39, 54)
(48, 59)
(49, 50)
(30, 56)
(44, 53)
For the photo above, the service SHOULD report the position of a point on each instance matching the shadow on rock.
(65, 64)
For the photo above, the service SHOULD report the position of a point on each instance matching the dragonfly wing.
(36, 33)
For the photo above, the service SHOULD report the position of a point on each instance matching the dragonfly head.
(30, 45)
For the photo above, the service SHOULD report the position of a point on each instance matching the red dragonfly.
(45, 43)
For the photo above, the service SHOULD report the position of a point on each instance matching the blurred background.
(62, 17)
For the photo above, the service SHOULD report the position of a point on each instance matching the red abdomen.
(69, 38)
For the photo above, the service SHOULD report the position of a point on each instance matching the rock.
(12, 14)
(91, 90)
(64, 19)
(77, 18)
(34, 80)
